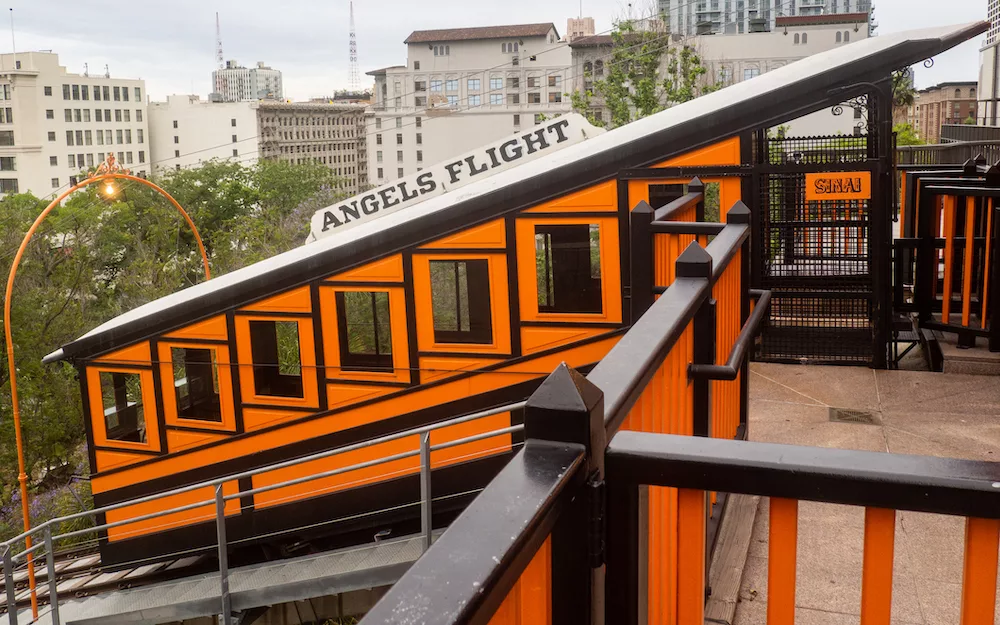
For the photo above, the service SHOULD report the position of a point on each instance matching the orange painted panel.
(599, 197)
(437, 368)
(725, 152)
(302, 426)
(529, 602)
(177, 519)
(307, 360)
(331, 336)
(296, 300)
(214, 329)
(257, 418)
(537, 339)
(97, 420)
(339, 395)
(137, 354)
(491, 235)
(385, 270)
(225, 377)
(610, 271)
(183, 439)
(499, 302)
(107, 460)
(352, 478)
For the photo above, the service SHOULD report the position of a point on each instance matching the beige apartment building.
(946, 103)
(462, 88)
(54, 125)
(187, 131)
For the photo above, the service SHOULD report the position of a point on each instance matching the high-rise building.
(54, 125)
(579, 27)
(235, 83)
(186, 131)
(688, 18)
(989, 70)
(946, 103)
(462, 88)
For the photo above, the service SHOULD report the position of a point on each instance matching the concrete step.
(976, 360)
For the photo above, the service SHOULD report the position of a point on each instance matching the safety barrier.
(541, 559)
(226, 495)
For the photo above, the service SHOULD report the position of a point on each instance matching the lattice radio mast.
(355, 80)
(219, 59)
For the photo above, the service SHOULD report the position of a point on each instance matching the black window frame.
(128, 417)
(565, 290)
(350, 361)
(200, 405)
(267, 377)
(478, 290)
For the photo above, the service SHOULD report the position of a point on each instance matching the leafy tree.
(633, 86)
(907, 135)
(94, 258)
(903, 93)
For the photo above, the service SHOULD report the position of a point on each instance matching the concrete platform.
(936, 414)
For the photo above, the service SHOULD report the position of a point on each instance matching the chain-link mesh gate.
(815, 255)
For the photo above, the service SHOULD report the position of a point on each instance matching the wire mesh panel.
(816, 255)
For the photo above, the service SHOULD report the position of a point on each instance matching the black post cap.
(696, 185)
(739, 213)
(643, 207)
(969, 167)
(567, 408)
(694, 262)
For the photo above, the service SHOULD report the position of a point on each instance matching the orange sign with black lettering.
(842, 185)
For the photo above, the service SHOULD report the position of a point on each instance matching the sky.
(171, 43)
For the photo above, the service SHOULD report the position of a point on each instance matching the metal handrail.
(220, 499)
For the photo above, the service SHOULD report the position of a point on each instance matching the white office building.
(186, 131)
(235, 83)
(462, 88)
(988, 91)
(744, 16)
(54, 125)
(736, 58)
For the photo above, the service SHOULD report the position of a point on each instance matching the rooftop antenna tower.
(355, 80)
(219, 62)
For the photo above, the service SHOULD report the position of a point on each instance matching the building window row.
(100, 92)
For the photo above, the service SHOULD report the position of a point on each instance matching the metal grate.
(849, 415)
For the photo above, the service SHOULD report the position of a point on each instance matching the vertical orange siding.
(783, 539)
(876, 576)
(725, 394)
(529, 602)
(979, 578)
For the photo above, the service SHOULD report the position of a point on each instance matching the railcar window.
(124, 418)
(196, 384)
(568, 268)
(277, 367)
(460, 297)
(366, 335)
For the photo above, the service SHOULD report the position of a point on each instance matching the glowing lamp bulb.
(109, 190)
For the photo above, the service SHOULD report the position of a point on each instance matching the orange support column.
(876, 576)
(691, 557)
(970, 248)
(783, 540)
(950, 207)
(979, 578)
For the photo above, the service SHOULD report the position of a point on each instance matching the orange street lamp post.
(108, 170)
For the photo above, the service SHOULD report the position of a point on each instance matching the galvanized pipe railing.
(10, 559)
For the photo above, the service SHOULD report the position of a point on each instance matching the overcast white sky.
(171, 43)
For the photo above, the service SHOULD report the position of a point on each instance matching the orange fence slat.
(783, 539)
(529, 602)
(979, 577)
(986, 260)
(691, 529)
(949, 252)
(876, 576)
(970, 249)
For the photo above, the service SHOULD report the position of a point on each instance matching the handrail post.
(568, 408)
(8, 583)
(704, 354)
(426, 520)
(697, 186)
(740, 213)
(641, 252)
(50, 571)
(220, 528)
(927, 261)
